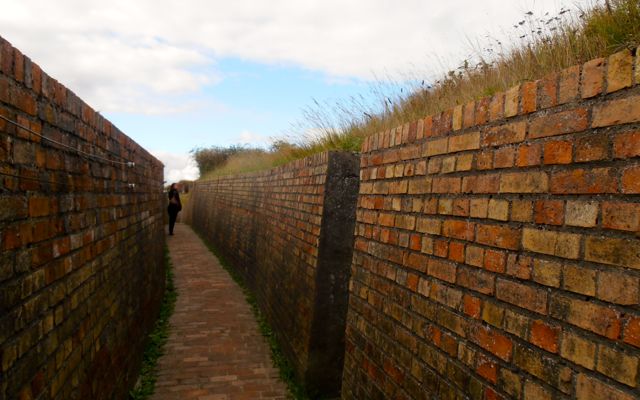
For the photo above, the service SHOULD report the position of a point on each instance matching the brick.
(495, 260)
(467, 141)
(578, 350)
(456, 123)
(474, 256)
(558, 152)
(569, 84)
(493, 314)
(471, 306)
(463, 230)
(512, 97)
(519, 266)
(39, 206)
(592, 78)
(619, 71)
(464, 162)
(579, 279)
(529, 90)
(442, 270)
(524, 182)
(617, 365)
(619, 288)
(601, 320)
(479, 207)
(547, 273)
(482, 111)
(584, 181)
(498, 209)
(529, 155)
(419, 185)
(492, 341)
(613, 251)
(566, 245)
(549, 212)
(484, 160)
(592, 148)
(533, 391)
(621, 216)
(468, 115)
(513, 132)
(560, 123)
(544, 336)
(487, 369)
(626, 145)
(475, 279)
(521, 211)
(504, 157)
(522, 296)
(456, 251)
(589, 388)
(616, 112)
(498, 236)
(581, 213)
(547, 91)
(435, 147)
(496, 107)
(448, 165)
(632, 332)
(630, 182)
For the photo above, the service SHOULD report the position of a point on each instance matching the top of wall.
(564, 89)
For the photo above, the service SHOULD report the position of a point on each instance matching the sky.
(179, 74)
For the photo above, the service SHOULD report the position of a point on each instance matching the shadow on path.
(215, 350)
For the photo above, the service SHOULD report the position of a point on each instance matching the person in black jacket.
(174, 207)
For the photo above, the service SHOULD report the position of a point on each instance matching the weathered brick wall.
(496, 251)
(289, 231)
(81, 252)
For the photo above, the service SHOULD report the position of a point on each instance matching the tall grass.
(543, 44)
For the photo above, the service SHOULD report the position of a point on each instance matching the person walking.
(174, 207)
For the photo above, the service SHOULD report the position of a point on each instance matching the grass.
(157, 339)
(287, 373)
(543, 45)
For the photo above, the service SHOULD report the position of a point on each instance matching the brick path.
(215, 350)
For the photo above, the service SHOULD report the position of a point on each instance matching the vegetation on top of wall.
(546, 44)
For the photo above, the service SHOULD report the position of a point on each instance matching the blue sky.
(174, 75)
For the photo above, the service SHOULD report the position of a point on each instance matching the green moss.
(157, 339)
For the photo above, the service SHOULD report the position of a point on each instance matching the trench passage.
(215, 350)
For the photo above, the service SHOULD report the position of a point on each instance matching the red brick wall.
(273, 227)
(81, 252)
(496, 251)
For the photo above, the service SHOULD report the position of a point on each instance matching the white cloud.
(253, 139)
(177, 166)
(139, 56)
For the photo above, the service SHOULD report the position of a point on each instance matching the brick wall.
(81, 252)
(289, 231)
(496, 252)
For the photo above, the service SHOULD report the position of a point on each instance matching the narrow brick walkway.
(215, 350)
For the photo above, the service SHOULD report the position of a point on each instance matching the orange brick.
(558, 152)
(529, 155)
(496, 107)
(521, 211)
(498, 236)
(468, 115)
(626, 145)
(632, 332)
(592, 148)
(589, 388)
(474, 256)
(619, 288)
(559, 123)
(463, 230)
(39, 206)
(544, 336)
(456, 123)
(467, 141)
(456, 251)
(569, 84)
(505, 134)
(621, 216)
(547, 91)
(519, 266)
(617, 112)
(494, 342)
(495, 260)
(631, 180)
(487, 369)
(512, 97)
(484, 160)
(504, 157)
(592, 78)
(471, 306)
(619, 71)
(529, 103)
(584, 181)
(482, 111)
(613, 251)
(550, 212)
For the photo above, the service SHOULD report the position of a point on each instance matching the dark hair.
(173, 186)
